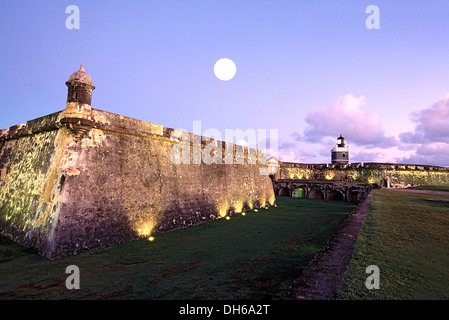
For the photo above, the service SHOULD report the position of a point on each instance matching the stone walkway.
(323, 277)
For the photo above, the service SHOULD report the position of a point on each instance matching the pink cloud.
(431, 135)
(433, 153)
(432, 124)
(347, 117)
(364, 156)
(291, 151)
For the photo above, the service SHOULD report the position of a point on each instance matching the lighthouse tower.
(340, 152)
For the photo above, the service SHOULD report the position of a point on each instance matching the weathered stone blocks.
(84, 178)
(372, 173)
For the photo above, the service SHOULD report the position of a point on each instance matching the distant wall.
(373, 173)
(69, 184)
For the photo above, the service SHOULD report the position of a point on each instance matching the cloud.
(297, 136)
(364, 156)
(291, 150)
(430, 137)
(347, 117)
(287, 145)
(291, 156)
(434, 153)
(432, 124)
(427, 144)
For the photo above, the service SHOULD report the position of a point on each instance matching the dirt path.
(323, 278)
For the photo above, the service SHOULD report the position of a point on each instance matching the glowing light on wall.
(272, 199)
(354, 175)
(263, 200)
(238, 206)
(145, 229)
(330, 175)
(222, 209)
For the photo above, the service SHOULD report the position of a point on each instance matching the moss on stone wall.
(29, 186)
(69, 184)
(398, 175)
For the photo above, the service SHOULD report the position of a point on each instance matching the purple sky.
(308, 68)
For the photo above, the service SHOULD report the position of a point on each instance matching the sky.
(308, 70)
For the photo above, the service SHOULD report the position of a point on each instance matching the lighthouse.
(340, 152)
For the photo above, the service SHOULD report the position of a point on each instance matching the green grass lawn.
(255, 256)
(432, 188)
(407, 236)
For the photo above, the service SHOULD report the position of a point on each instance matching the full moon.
(225, 69)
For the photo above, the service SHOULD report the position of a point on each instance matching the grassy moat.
(256, 256)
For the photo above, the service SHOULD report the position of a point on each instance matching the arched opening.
(316, 194)
(284, 192)
(335, 195)
(354, 196)
(298, 193)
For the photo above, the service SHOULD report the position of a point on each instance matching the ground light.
(151, 238)
(228, 218)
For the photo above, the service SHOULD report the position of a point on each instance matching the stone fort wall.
(70, 183)
(383, 174)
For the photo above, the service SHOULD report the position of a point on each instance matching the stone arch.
(355, 196)
(335, 195)
(316, 194)
(298, 193)
(284, 192)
